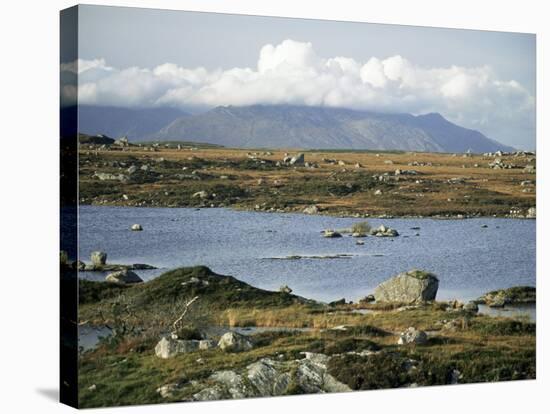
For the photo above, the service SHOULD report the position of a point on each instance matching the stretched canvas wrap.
(259, 206)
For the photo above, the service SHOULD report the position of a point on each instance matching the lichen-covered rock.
(414, 286)
(234, 342)
(98, 258)
(412, 336)
(266, 378)
(124, 276)
(169, 347)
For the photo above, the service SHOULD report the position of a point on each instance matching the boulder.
(311, 210)
(98, 258)
(412, 336)
(206, 344)
(298, 159)
(384, 231)
(531, 213)
(234, 342)
(136, 227)
(200, 194)
(169, 347)
(413, 286)
(516, 295)
(264, 376)
(124, 276)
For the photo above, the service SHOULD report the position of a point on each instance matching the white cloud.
(293, 73)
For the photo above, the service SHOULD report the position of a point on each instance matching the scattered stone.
(412, 336)
(234, 342)
(378, 192)
(200, 194)
(311, 210)
(123, 277)
(414, 286)
(167, 391)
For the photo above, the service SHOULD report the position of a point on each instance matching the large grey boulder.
(98, 258)
(412, 336)
(169, 347)
(298, 159)
(234, 342)
(124, 276)
(266, 378)
(414, 286)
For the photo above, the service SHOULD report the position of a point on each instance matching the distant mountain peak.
(309, 127)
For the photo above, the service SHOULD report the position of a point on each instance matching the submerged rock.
(413, 286)
(331, 234)
(384, 231)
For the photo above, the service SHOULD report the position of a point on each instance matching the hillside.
(285, 126)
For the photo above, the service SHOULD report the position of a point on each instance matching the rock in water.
(234, 342)
(136, 227)
(331, 234)
(124, 276)
(412, 336)
(413, 286)
(99, 258)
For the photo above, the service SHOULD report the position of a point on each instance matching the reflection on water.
(468, 259)
(528, 312)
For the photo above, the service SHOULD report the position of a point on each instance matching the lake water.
(468, 259)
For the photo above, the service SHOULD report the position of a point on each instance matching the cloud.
(293, 73)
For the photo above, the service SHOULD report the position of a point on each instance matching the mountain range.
(288, 126)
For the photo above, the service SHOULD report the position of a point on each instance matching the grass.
(241, 182)
(125, 371)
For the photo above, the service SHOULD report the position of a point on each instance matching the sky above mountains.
(140, 57)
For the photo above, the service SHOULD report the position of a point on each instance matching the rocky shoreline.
(406, 332)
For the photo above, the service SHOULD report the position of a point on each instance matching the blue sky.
(144, 57)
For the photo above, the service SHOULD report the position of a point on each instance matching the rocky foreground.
(175, 338)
